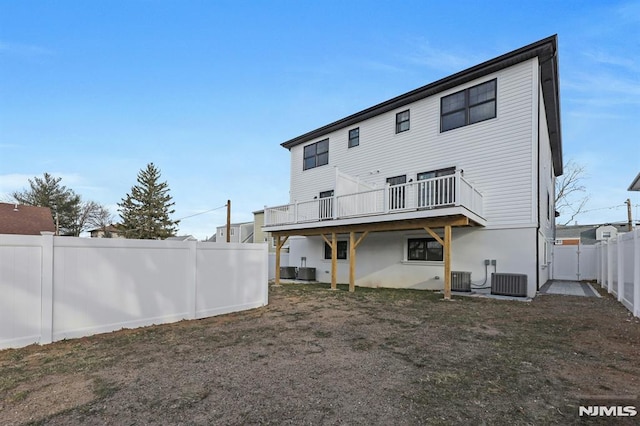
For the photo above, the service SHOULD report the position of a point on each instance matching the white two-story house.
(457, 175)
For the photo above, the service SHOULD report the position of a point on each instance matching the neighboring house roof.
(25, 220)
(236, 224)
(586, 233)
(545, 50)
(182, 238)
(635, 185)
(110, 228)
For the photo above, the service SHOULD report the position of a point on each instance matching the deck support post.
(279, 243)
(334, 261)
(353, 245)
(446, 248)
(352, 261)
(447, 262)
(334, 257)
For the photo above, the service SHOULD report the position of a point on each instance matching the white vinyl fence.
(53, 288)
(574, 263)
(618, 265)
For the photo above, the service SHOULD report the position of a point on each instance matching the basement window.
(342, 250)
(424, 249)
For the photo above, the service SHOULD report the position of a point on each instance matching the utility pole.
(228, 221)
(628, 203)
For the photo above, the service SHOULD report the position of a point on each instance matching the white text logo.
(608, 411)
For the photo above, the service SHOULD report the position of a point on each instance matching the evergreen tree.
(73, 215)
(47, 192)
(145, 211)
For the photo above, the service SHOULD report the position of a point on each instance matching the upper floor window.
(354, 137)
(316, 154)
(477, 103)
(425, 249)
(402, 121)
(548, 206)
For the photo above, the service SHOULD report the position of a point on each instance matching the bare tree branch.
(571, 196)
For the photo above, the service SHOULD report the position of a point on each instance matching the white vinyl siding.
(496, 155)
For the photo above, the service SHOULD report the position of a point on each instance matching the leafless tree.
(90, 214)
(102, 219)
(571, 194)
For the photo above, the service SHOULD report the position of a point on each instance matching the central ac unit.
(509, 284)
(288, 272)
(460, 281)
(308, 274)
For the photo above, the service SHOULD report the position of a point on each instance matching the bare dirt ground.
(315, 356)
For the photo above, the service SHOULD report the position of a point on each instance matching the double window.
(316, 154)
(477, 103)
(354, 137)
(402, 121)
(342, 250)
(424, 249)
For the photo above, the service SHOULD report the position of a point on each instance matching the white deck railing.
(446, 191)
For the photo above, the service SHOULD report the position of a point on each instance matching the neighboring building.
(260, 236)
(446, 177)
(182, 238)
(635, 185)
(25, 220)
(110, 231)
(587, 234)
(240, 233)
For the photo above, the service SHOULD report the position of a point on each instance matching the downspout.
(538, 185)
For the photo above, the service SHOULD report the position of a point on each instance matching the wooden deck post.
(334, 261)
(279, 244)
(447, 262)
(352, 261)
(353, 245)
(334, 257)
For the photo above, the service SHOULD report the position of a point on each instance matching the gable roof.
(635, 185)
(547, 52)
(25, 220)
(182, 238)
(108, 228)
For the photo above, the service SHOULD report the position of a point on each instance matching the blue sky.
(207, 90)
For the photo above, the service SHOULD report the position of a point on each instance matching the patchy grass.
(316, 356)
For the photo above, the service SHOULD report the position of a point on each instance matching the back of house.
(476, 153)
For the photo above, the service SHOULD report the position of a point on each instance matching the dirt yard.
(316, 356)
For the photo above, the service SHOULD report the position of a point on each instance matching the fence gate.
(574, 263)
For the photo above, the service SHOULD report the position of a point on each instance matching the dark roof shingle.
(25, 220)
